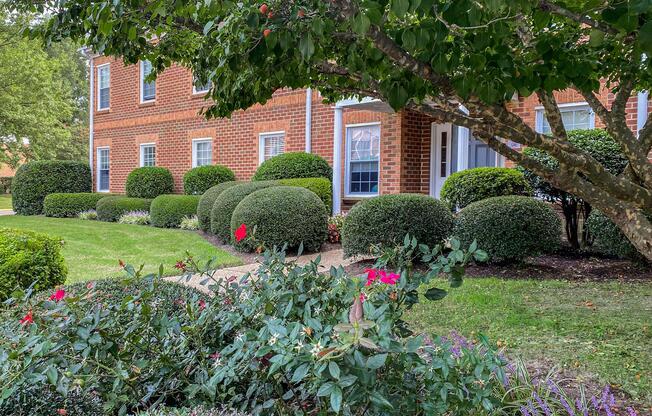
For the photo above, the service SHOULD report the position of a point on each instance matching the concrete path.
(6, 212)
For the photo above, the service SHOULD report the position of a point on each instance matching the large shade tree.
(429, 56)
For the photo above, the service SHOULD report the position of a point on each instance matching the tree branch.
(548, 6)
(552, 113)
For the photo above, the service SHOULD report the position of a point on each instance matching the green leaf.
(435, 294)
(409, 39)
(325, 389)
(376, 361)
(361, 24)
(400, 7)
(307, 46)
(480, 255)
(299, 373)
(52, 375)
(208, 26)
(336, 399)
(645, 37)
(334, 369)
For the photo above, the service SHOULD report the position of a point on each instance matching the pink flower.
(363, 297)
(27, 319)
(240, 233)
(390, 279)
(58, 295)
(372, 275)
(202, 305)
(215, 356)
(90, 285)
(180, 265)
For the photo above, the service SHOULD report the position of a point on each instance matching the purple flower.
(631, 412)
(542, 404)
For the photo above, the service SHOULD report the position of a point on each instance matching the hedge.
(282, 215)
(27, 257)
(35, 180)
(112, 208)
(39, 400)
(5, 184)
(510, 228)
(226, 202)
(609, 240)
(70, 204)
(321, 186)
(200, 179)
(294, 165)
(169, 210)
(386, 219)
(149, 182)
(206, 204)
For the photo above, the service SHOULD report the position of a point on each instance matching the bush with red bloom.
(27, 319)
(181, 265)
(241, 233)
(58, 295)
(382, 275)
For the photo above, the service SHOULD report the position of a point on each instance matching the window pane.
(103, 169)
(149, 88)
(203, 153)
(103, 84)
(273, 145)
(573, 119)
(201, 87)
(148, 155)
(363, 177)
(365, 143)
(364, 157)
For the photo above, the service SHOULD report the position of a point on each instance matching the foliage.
(609, 239)
(335, 224)
(112, 208)
(168, 210)
(46, 401)
(189, 223)
(29, 259)
(467, 186)
(149, 182)
(70, 204)
(198, 180)
(195, 411)
(33, 181)
(5, 184)
(510, 228)
(135, 218)
(293, 165)
(321, 186)
(384, 220)
(206, 202)
(282, 215)
(89, 215)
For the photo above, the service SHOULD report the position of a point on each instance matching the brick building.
(372, 149)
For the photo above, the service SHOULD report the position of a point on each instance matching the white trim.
(195, 91)
(97, 185)
(91, 121)
(261, 142)
(347, 161)
(539, 113)
(142, 154)
(641, 110)
(436, 179)
(308, 120)
(338, 116)
(142, 84)
(194, 149)
(99, 87)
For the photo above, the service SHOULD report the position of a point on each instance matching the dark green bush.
(198, 180)
(5, 184)
(386, 219)
(206, 204)
(70, 205)
(467, 186)
(27, 257)
(609, 240)
(35, 180)
(226, 202)
(321, 186)
(34, 400)
(149, 182)
(294, 165)
(112, 208)
(169, 210)
(510, 228)
(282, 215)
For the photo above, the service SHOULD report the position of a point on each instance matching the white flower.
(316, 349)
(239, 337)
(273, 339)
(317, 310)
(299, 346)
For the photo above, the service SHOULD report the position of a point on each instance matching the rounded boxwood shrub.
(294, 165)
(468, 186)
(169, 210)
(206, 202)
(112, 208)
(386, 219)
(282, 215)
(510, 228)
(198, 180)
(35, 180)
(149, 182)
(27, 257)
(226, 202)
(609, 240)
(70, 205)
(321, 186)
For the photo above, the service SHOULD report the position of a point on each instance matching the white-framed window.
(271, 144)
(362, 159)
(200, 88)
(575, 116)
(148, 154)
(202, 152)
(103, 169)
(147, 89)
(103, 86)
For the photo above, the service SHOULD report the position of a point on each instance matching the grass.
(600, 329)
(92, 248)
(5, 201)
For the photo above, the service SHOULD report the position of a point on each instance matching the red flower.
(372, 275)
(390, 279)
(27, 319)
(62, 412)
(58, 295)
(121, 263)
(215, 356)
(202, 304)
(180, 265)
(90, 285)
(241, 233)
(363, 297)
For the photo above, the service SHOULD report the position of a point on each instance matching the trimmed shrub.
(5, 184)
(321, 186)
(200, 179)
(386, 219)
(112, 208)
(70, 205)
(510, 228)
(206, 204)
(226, 202)
(468, 186)
(195, 411)
(27, 257)
(35, 180)
(169, 210)
(35, 400)
(282, 215)
(609, 240)
(294, 165)
(149, 182)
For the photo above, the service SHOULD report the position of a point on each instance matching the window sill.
(359, 197)
(201, 94)
(103, 111)
(147, 103)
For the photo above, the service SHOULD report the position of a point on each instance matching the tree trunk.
(569, 208)
(587, 238)
(633, 223)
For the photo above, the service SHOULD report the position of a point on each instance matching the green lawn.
(92, 248)
(5, 201)
(598, 329)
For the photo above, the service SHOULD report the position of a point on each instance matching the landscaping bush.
(510, 228)
(385, 220)
(70, 205)
(35, 180)
(293, 165)
(226, 202)
(190, 223)
(195, 411)
(167, 211)
(89, 215)
(467, 186)
(5, 184)
(321, 186)
(206, 202)
(609, 240)
(135, 218)
(28, 258)
(112, 208)
(200, 179)
(35, 400)
(282, 215)
(149, 182)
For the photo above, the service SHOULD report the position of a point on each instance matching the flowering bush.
(135, 217)
(335, 227)
(189, 223)
(89, 215)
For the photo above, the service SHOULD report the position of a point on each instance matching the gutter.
(308, 120)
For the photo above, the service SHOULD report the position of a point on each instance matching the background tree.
(429, 56)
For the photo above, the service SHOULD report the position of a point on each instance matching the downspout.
(308, 120)
(641, 110)
(338, 116)
(91, 98)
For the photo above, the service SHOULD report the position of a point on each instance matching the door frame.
(436, 179)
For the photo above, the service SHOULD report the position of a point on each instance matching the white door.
(440, 156)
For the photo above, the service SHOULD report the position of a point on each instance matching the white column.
(91, 119)
(308, 120)
(462, 148)
(641, 110)
(337, 159)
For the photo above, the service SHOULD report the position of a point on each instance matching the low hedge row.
(112, 208)
(149, 182)
(206, 203)
(167, 211)
(200, 179)
(70, 204)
